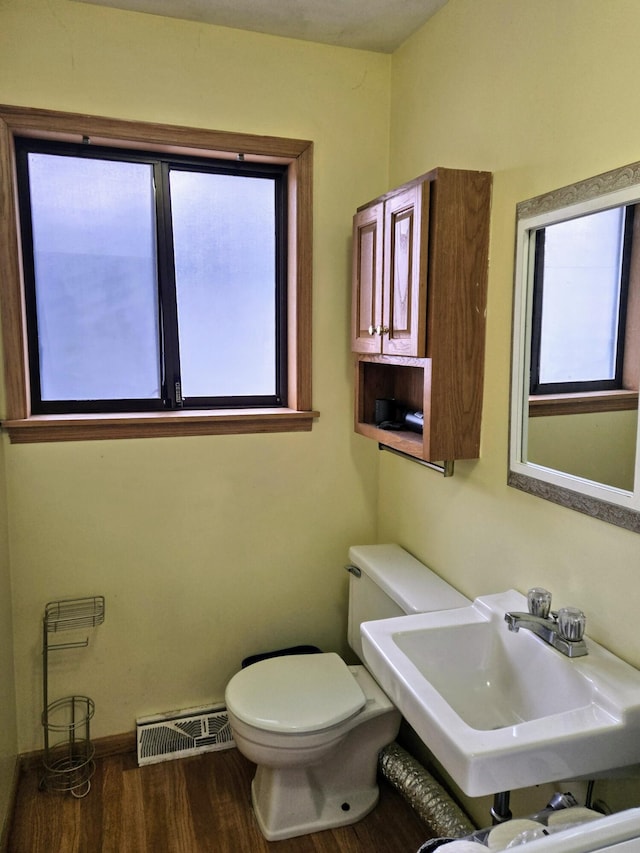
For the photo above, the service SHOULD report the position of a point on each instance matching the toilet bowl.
(313, 725)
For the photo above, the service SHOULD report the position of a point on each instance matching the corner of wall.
(8, 720)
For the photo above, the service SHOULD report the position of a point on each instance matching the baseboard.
(104, 747)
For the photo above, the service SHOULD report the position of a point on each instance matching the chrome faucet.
(563, 630)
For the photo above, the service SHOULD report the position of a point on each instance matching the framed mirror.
(576, 348)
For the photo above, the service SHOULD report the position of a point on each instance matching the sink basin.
(503, 710)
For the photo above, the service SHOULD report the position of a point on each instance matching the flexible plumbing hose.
(426, 796)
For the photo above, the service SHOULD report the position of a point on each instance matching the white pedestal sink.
(503, 710)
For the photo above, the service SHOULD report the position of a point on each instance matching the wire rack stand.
(68, 751)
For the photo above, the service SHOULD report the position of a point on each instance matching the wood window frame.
(297, 155)
(545, 405)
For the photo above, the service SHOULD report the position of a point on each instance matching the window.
(585, 304)
(151, 282)
(164, 284)
(582, 274)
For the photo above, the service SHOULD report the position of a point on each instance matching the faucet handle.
(571, 623)
(539, 601)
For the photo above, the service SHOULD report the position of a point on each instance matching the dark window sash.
(167, 319)
(538, 388)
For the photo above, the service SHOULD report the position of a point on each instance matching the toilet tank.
(392, 583)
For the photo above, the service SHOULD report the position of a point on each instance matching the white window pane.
(581, 294)
(95, 270)
(224, 245)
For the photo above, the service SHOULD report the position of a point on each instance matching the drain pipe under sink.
(425, 796)
(500, 811)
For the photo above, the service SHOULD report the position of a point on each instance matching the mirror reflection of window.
(579, 308)
(583, 414)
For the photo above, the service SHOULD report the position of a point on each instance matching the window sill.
(579, 404)
(41, 428)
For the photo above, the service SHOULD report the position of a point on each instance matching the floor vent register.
(179, 734)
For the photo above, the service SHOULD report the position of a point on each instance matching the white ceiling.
(379, 25)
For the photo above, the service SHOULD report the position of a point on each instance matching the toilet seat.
(295, 694)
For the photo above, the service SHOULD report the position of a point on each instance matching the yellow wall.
(541, 93)
(598, 446)
(8, 732)
(207, 549)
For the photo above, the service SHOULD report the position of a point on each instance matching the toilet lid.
(295, 693)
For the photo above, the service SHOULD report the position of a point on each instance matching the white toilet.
(312, 724)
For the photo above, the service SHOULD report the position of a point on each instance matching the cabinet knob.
(372, 330)
(382, 330)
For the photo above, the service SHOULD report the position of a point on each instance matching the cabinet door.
(405, 263)
(367, 279)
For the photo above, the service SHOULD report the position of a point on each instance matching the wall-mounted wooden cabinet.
(390, 242)
(420, 264)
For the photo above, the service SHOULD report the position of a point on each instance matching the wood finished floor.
(192, 805)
